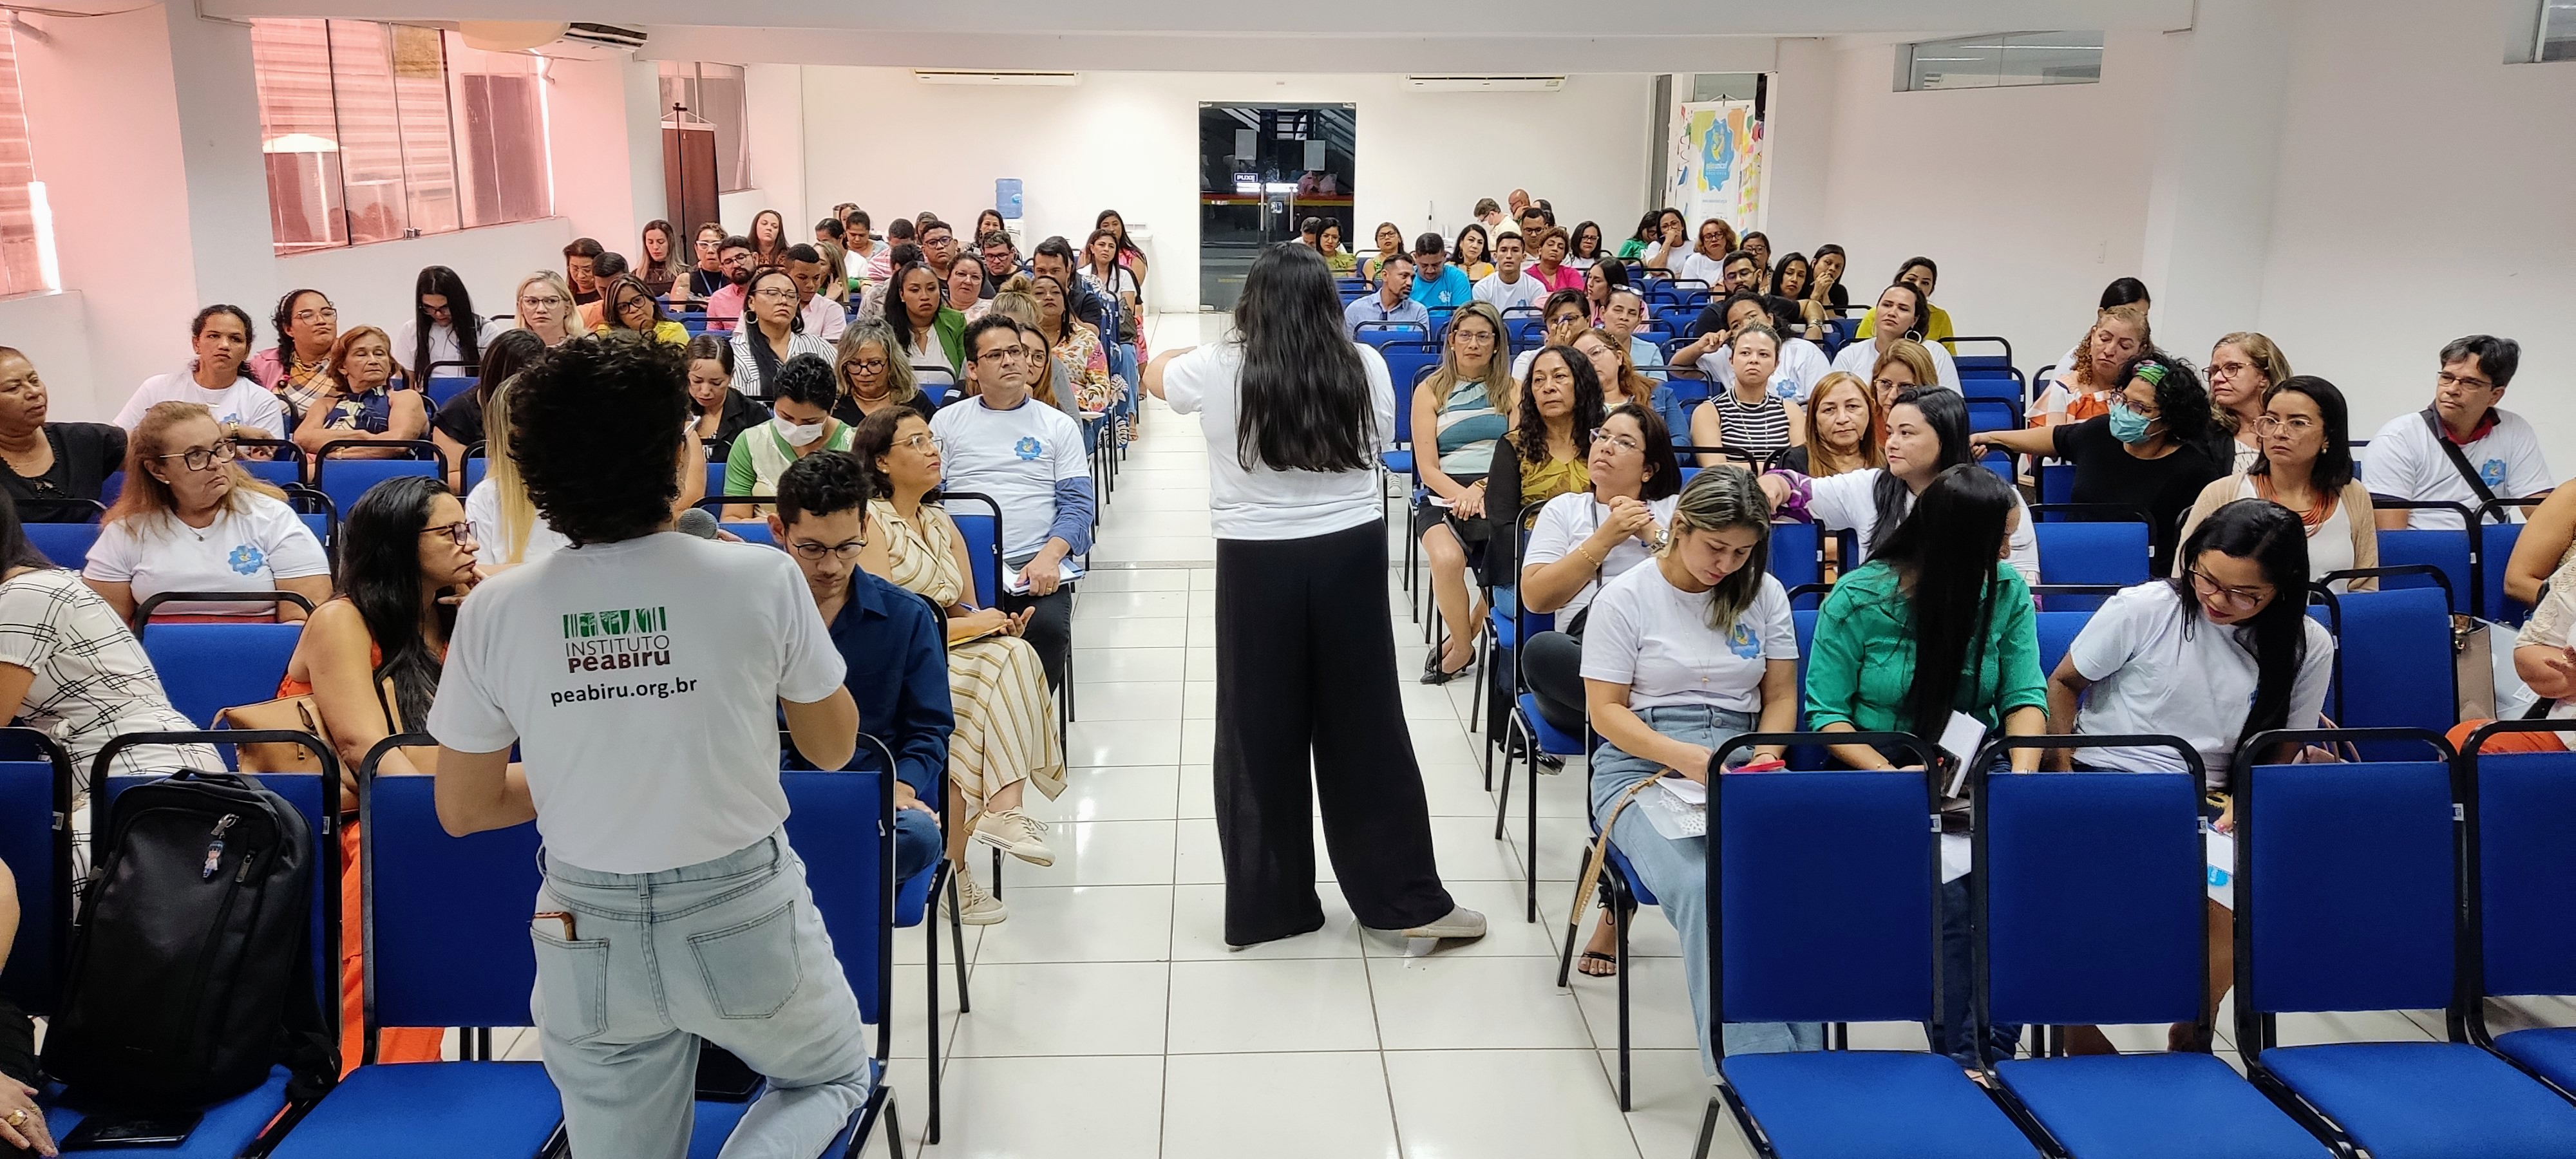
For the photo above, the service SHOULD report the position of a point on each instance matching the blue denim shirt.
(897, 653)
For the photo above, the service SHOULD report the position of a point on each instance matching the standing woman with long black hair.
(1295, 414)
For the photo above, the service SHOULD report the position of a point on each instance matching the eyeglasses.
(1623, 442)
(200, 458)
(2295, 424)
(1004, 354)
(461, 533)
(916, 441)
(2211, 589)
(867, 366)
(2461, 380)
(774, 294)
(845, 552)
(2218, 370)
(315, 315)
(546, 302)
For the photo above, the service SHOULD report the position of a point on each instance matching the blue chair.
(2056, 484)
(445, 922)
(1524, 729)
(2445, 550)
(1382, 334)
(842, 826)
(1822, 890)
(1797, 555)
(477, 465)
(2057, 631)
(344, 480)
(2495, 550)
(67, 544)
(35, 787)
(1989, 414)
(2049, 847)
(2393, 664)
(2349, 899)
(751, 531)
(443, 389)
(983, 533)
(285, 467)
(2108, 553)
(207, 668)
(2521, 869)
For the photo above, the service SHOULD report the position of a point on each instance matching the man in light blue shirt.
(1392, 303)
(1437, 283)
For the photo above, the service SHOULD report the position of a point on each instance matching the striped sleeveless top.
(1761, 427)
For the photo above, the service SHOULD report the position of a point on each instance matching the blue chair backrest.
(1824, 905)
(476, 466)
(2351, 881)
(751, 531)
(979, 521)
(2393, 658)
(1803, 620)
(1383, 334)
(67, 544)
(207, 668)
(28, 846)
(447, 916)
(2495, 549)
(2526, 807)
(443, 389)
(110, 488)
(2058, 628)
(345, 479)
(278, 472)
(2091, 553)
(2057, 483)
(1986, 414)
(715, 479)
(2445, 549)
(1406, 363)
(1797, 555)
(320, 525)
(836, 822)
(2057, 844)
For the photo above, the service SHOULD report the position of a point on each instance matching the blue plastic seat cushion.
(2155, 1106)
(431, 1110)
(226, 1129)
(2414, 1100)
(1551, 739)
(1875, 1103)
(2550, 1051)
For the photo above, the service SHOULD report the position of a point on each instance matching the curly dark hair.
(806, 378)
(872, 439)
(824, 483)
(595, 428)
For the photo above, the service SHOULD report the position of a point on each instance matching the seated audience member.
(897, 256)
(2465, 448)
(900, 234)
(2543, 657)
(2306, 466)
(964, 289)
(725, 303)
(1310, 234)
(1905, 363)
(771, 334)
(997, 256)
(1054, 258)
(406, 561)
(361, 404)
(1620, 382)
(718, 414)
(1435, 281)
(1758, 244)
(1075, 345)
(1583, 246)
(769, 238)
(1548, 262)
(192, 521)
(1583, 540)
(1051, 382)
(938, 244)
(1029, 458)
(706, 265)
(1800, 364)
(2121, 292)
(800, 424)
(1472, 253)
(307, 325)
(1828, 289)
(862, 245)
(873, 375)
(2242, 370)
(1489, 217)
(50, 467)
(71, 669)
(835, 288)
(1898, 316)
(1393, 302)
(215, 379)
(2083, 389)
(2152, 451)
(1547, 453)
(432, 344)
(627, 306)
(581, 269)
(1508, 288)
(1936, 624)
(1934, 322)
(1006, 737)
(894, 647)
(1703, 260)
(1622, 312)
(1336, 259)
(546, 308)
(459, 425)
(1598, 281)
(1649, 234)
(1683, 655)
(1465, 404)
(1390, 242)
(930, 332)
(1927, 434)
(1844, 425)
(507, 531)
(1746, 416)
(2218, 655)
(1561, 318)
(659, 264)
(605, 268)
(822, 315)
(1790, 281)
(1102, 274)
(2547, 543)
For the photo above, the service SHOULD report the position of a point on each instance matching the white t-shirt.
(1701, 267)
(442, 345)
(1861, 357)
(1016, 456)
(1802, 363)
(2151, 675)
(1506, 296)
(1568, 520)
(1654, 638)
(2403, 461)
(1850, 501)
(641, 682)
(1259, 502)
(483, 510)
(241, 551)
(245, 402)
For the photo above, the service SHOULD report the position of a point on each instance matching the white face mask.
(797, 436)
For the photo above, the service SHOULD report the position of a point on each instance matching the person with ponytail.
(2224, 652)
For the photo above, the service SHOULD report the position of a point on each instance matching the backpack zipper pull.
(215, 848)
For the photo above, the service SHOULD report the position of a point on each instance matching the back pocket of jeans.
(751, 970)
(572, 983)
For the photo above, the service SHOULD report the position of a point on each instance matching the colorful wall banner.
(1717, 163)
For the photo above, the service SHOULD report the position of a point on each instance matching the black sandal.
(1604, 959)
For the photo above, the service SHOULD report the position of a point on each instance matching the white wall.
(1129, 141)
(774, 100)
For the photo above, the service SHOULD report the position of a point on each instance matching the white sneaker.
(976, 907)
(1461, 923)
(1015, 833)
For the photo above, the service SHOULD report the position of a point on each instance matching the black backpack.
(191, 963)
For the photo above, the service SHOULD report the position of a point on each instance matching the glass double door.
(1263, 170)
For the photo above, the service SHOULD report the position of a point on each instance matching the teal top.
(1861, 664)
(1469, 424)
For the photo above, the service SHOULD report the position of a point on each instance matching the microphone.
(695, 521)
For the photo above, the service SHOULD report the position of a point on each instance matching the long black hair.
(511, 350)
(2268, 534)
(1950, 549)
(1838, 296)
(1304, 400)
(15, 551)
(197, 326)
(1574, 241)
(443, 282)
(2333, 469)
(899, 316)
(1946, 413)
(1530, 429)
(380, 576)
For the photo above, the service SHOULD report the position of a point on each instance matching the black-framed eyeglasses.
(1006, 353)
(461, 533)
(845, 552)
(2241, 597)
(200, 458)
(2461, 380)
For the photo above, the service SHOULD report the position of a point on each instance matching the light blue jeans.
(1676, 872)
(731, 951)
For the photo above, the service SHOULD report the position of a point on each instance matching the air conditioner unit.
(605, 36)
(944, 76)
(1484, 84)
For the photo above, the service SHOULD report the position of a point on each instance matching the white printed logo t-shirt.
(1016, 456)
(641, 681)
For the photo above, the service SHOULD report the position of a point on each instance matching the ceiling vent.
(1484, 84)
(944, 76)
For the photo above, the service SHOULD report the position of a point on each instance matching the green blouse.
(1861, 663)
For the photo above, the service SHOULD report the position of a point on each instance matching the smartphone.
(131, 1131)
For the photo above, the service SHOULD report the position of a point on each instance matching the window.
(710, 96)
(374, 132)
(2557, 32)
(2001, 59)
(26, 228)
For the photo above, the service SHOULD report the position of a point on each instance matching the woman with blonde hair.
(1843, 429)
(873, 375)
(1467, 403)
(2083, 390)
(545, 307)
(191, 520)
(2243, 369)
(507, 532)
(1905, 362)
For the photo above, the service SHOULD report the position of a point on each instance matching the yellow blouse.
(1554, 477)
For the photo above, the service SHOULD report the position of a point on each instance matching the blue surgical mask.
(2127, 425)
